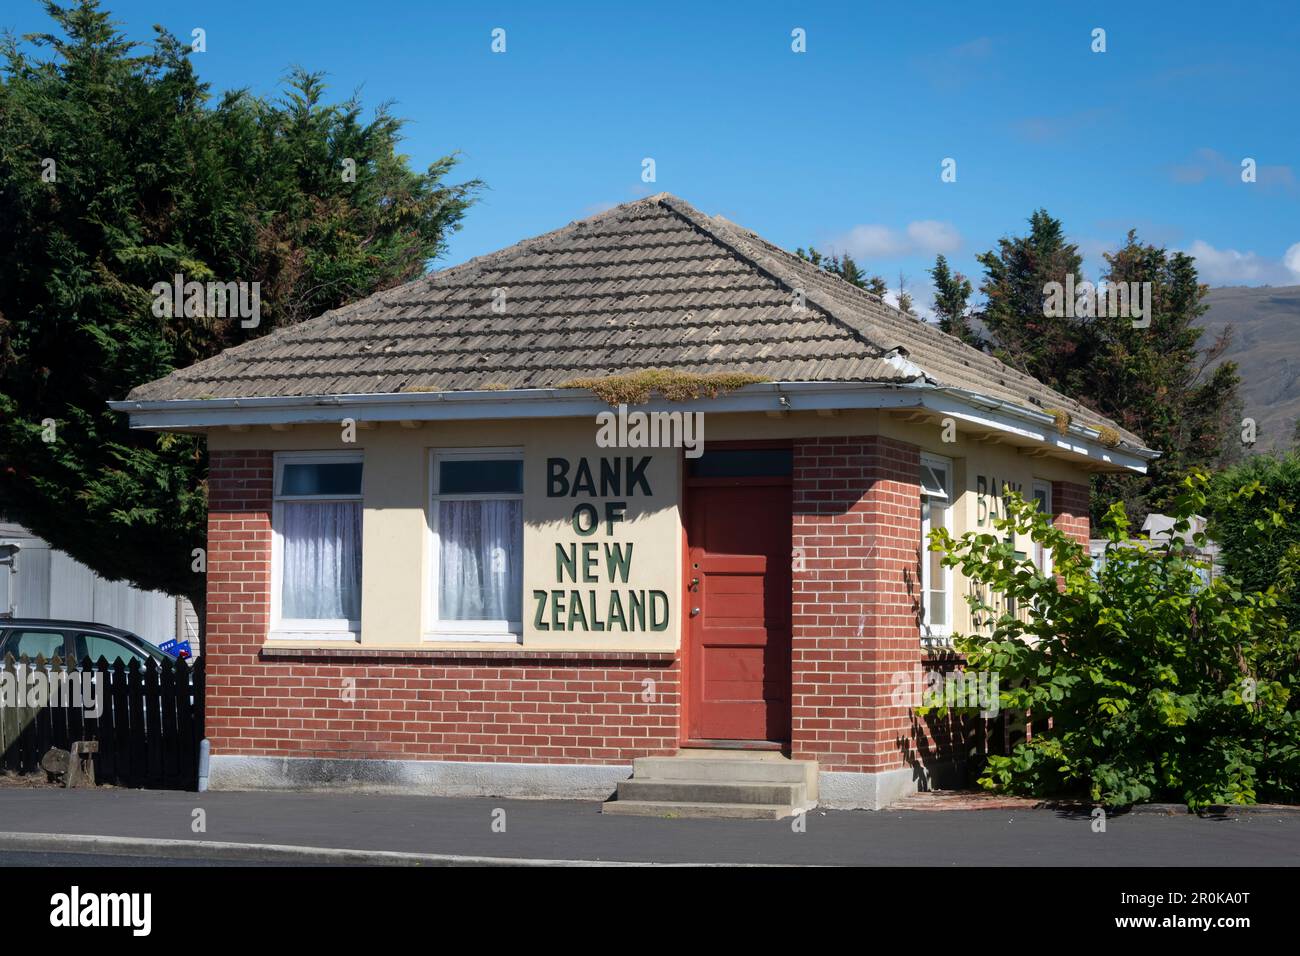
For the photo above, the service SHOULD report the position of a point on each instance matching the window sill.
(424, 652)
(472, 637)
(299, 635)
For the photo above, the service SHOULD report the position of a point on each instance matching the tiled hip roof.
(648, 285)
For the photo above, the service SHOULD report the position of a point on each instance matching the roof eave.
(976, 411)
(1084, 433)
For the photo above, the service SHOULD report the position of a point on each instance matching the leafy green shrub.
(1157, 685)
(1251, 511)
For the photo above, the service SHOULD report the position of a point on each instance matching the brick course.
(486, 708)
(857, 533)
(1070, 508)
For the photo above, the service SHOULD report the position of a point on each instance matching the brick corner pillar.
(1070, 509)
(856, 538)
(239, 585)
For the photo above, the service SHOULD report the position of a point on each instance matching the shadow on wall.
(943, 750)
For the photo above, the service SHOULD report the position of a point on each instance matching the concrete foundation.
(452, 778)
(864, 791)
(447, 778)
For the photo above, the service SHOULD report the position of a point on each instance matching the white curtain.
(480, 565)
(322, 560)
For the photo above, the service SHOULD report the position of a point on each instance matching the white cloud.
(1232, 267)
(922, 293)
(1226, 265)
(954, 67)
(931, 236)
(1291, 259)
(1057, 129)
(1094, 250)
(1208, 164)
(875, 241)
(871, 242)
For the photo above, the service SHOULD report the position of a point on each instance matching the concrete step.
(729, 770)
(717, 785)
(711, 791)
(732, 811)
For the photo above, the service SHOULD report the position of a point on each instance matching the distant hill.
(1266, 348)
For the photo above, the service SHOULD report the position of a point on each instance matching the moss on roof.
(635, 388)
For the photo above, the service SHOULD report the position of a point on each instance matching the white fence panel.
(45, 583)
(30, 584)
(151, 614)
(72, 589)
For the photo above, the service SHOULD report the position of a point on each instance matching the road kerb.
(270, 852)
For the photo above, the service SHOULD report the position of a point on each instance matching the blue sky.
(839, 146)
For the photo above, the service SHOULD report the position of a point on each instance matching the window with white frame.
(936, 580)
(477, 518)
(316, 565)
(1042, 492)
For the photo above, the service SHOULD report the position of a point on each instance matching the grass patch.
(1063, 419)
(635, 388)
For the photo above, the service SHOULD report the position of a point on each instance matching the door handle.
(694, 611)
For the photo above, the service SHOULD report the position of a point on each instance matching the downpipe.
(205, 749)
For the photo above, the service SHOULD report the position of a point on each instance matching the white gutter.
(960, 404)
(1084, 435)
(503, 403)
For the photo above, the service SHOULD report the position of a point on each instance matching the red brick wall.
(458, 706)
(857, 532)
(1070, 506)
(239, 550)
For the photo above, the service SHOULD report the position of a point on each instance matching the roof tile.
(650, 284)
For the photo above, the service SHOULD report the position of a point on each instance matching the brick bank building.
(427, 571)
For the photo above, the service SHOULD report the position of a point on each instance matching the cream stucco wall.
(397, 538)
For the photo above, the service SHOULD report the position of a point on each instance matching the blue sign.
(177, 648)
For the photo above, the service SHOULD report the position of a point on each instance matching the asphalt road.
(570, 830)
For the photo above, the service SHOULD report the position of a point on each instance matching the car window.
(96, 646)
(30, 643)
(154, 651)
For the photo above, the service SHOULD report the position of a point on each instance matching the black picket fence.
(147, 720)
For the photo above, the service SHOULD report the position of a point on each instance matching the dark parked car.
(78, 639)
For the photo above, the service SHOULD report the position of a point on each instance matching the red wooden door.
(738, 541)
